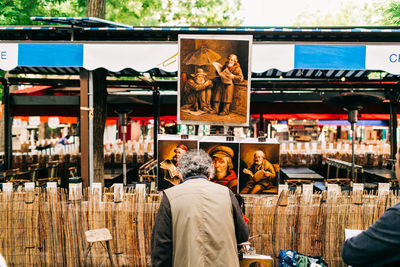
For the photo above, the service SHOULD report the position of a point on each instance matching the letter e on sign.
(8, 56)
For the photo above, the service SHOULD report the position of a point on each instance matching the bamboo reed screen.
(45, 228)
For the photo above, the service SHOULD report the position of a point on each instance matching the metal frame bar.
(7, 126)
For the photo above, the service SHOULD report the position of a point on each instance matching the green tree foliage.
(350, 14)
(131, 12)
(175, 12)
(18, 12)
(392, 13)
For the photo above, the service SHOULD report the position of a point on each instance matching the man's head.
(200, 76)
(232, 60)
(196, 163)
(259, 156)
(222, 158)
(179, 151)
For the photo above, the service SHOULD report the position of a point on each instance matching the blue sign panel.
(50, 55)
(329, 57)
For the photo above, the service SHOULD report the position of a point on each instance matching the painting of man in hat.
(214, 79)
(197, 92)
(225, 158)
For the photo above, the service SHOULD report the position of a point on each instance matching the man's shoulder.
(266, 162)
(396, 208)
(195, 184)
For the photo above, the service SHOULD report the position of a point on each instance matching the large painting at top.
(214, 79)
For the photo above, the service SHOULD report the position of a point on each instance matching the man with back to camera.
(199, 223)
(379, 245)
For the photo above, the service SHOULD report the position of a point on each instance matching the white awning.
(142, 57)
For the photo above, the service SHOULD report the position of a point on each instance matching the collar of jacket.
(194, 177)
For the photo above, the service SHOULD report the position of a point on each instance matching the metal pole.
(123, 130)
(353, 118)
(352, 151)
(7, 126)
(393, 127)
(156, 115)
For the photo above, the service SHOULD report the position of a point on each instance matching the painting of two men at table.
(214, 80)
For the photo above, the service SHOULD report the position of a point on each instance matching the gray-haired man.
(199, 223)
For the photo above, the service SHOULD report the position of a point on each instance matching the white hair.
(262, 153)
(196, 163)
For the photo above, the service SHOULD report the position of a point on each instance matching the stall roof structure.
(284, 59)
(124, 50)
(288, 64)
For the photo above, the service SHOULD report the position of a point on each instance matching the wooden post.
(118, 192)
(283, 194)
(93, 116)
(84, 127)
(96, 192)
(99, 122)
(358, 190)
(262, 125)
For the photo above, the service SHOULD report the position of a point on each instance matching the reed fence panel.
(45, 228)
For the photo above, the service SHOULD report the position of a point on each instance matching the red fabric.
(245, 218)
(142, 120)
(62, 119)
(321, 116)
(182, 147)
(34, 91)
(128, 132)
(231, 176)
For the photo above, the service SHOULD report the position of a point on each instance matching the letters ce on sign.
(383, 57)
(8, 56)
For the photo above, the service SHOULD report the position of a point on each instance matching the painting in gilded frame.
(214, 79)
(170, 148)
(225, 156)
(259, 167)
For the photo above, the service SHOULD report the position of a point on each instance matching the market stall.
(308, 67)
(284, 73)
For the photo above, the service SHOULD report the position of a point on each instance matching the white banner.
(145, 56)
(8, 56)
(383, 57)
(140, 57)
(272, 56)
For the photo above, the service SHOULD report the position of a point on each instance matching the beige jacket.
(203, 228)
